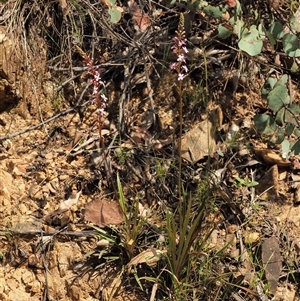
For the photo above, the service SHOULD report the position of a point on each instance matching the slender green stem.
(180, 146)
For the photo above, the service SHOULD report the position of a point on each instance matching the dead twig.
(34, 127)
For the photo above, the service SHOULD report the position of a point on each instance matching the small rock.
(28, 277)
(35, 287)
(75, 293)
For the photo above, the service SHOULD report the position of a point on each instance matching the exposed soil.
(50, 173)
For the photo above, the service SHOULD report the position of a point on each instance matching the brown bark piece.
(272, 262)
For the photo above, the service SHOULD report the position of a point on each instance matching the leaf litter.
(142, 138)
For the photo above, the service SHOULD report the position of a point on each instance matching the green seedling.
(245, 182)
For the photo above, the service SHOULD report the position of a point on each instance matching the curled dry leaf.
(270, 157)
(104, 212)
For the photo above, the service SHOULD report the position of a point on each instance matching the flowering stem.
(180, 67)
(99, 99)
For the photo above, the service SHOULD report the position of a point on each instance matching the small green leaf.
(278, 136)
(289, 129)
(262, 121)
(278, 97)
(213, 11)
(295, 25)
(280, 116)
(283, 80)
(294, 108)
(252, 184)
(291, 45)
(265, 124)
(250, 41)
(223, 32)
(268, 86)
(295, 67)
(297, 132)
(285, 149)
(291, 118)
(296, 148)
(115, 14)
(276, 30)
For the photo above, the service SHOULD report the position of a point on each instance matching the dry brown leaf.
(199, 142)
(268, 184)
(270, 157)
(141, 19)
(231, 3)
(140, 135)
(104, 212)
(64, 6)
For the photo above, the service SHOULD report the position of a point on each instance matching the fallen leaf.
(272, 261)
(150, 257)
(231, 3)
(270, 157)
(64, 6)
(104, 212)
(141, 19)
(268, 184)
(199, 142)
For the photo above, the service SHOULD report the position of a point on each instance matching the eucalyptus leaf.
(285, 148)
(291, 45)
(280, 116)
(297, 132)
(294, 108)
(115, 14)
(278, 136)
(268, 86)
(276, 30)
(213, 11)
(223, 32)
(296, 148)
(250, 41)
(278, 97)
(289, 129)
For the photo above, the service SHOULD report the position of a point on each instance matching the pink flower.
(173, 66)
(180, 76)
(184, 67)
(185, 49)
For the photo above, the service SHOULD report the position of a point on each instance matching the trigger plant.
(99, 100)
(179, 48)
